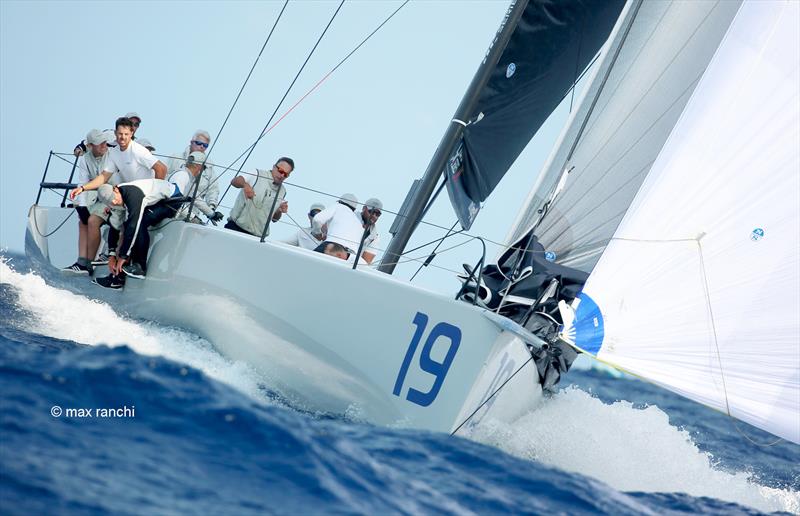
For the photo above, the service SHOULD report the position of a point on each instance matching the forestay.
(657, 52)
(699, 288)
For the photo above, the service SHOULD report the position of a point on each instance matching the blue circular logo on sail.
(588, 325)
(757, 234)
(510, 70)
(550, 256)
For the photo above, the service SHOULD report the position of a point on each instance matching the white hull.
(330, 338)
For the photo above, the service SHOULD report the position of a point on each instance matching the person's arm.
(94, 184)
(322, 218)
(241, 182)
(160, 170)
(369, 253)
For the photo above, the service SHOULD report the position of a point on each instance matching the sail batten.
(698, 290)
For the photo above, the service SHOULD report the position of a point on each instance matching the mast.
(451, 137)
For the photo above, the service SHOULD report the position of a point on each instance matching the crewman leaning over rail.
(255, 201)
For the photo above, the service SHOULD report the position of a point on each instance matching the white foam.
(628, 448)
(61, 314)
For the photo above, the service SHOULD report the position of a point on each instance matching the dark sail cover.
(553, 42)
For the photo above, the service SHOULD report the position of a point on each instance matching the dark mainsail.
(553, 41)
(532, 63)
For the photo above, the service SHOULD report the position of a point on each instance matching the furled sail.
(699, 288)
(553, 41)
(649, 69)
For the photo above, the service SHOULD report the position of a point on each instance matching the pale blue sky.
(370, 129)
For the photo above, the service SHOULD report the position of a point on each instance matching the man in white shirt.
(127, 162)
(344, 226)
(306, 237)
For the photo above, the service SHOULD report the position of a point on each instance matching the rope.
(433, 253)
(280, 103)
(238, 95)
(36, 224)
(719, 355)
(340, 63)
(492, 396)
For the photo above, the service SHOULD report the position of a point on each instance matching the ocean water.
(198, 434)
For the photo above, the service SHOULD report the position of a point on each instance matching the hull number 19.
(427, 363)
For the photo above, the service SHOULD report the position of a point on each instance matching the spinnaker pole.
(452, 136)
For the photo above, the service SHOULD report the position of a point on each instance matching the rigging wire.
(432, 253)
(280, 103)
(491, 396)
(238, 95)
(340, 63)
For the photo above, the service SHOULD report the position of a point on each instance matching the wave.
(631, 449)
(61, 314)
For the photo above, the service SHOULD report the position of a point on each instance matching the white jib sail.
(699, 289)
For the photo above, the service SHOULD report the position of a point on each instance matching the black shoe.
(134, 270)
(101, 260)
(77, 268)
(110, 281)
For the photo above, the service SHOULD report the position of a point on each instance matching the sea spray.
(629, 448)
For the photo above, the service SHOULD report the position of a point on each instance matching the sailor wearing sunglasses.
(257, 197)
(207, 198)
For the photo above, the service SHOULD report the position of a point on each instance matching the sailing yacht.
(628, 248)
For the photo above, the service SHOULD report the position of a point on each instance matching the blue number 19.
(426, 362)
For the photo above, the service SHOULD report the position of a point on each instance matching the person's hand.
(112, 263)
(117, 270)
(215, 217)
(75, 192)
(284, 207)
(78, 151)
(248, 191)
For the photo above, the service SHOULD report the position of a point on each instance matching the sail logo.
(757, 234)
(550, 256)
(588, 325)
(510, 70)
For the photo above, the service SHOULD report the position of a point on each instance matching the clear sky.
(369, 129)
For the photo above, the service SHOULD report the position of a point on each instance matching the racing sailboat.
(418, 359)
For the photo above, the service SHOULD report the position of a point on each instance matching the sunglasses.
(313, 213)
(200, 144)
(136, 124)
(375, 212)
(284, 173)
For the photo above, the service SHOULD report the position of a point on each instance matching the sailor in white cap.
(344, 226)
(254, 203)
(89, 166)
(207, 197)
(372, 210)
(306, 237)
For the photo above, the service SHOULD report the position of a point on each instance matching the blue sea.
(189, 432)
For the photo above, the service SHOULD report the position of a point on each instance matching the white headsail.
(698, 290)
(650, 66)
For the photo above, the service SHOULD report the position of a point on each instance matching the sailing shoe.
(76, 268)
(101, 260)
(134, 270)
(109, 281)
